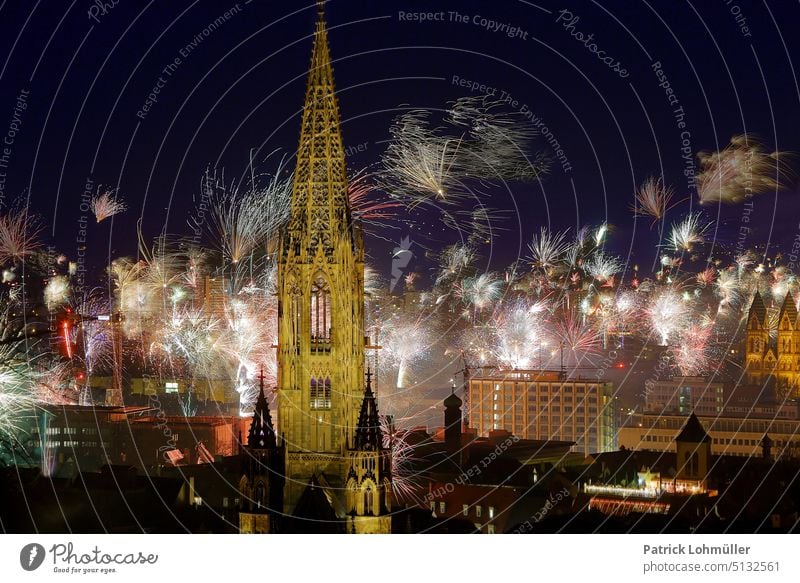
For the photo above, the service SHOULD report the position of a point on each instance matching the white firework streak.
(500, 142)
(252, 324)
(576, 335)
(406, 483)
(693, 352)
(54, 384)
(728, 288)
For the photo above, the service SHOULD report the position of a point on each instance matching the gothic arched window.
(320, 393)
(320, 311)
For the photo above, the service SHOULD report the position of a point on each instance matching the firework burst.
(693, 352)
(518, 332)
(419, 164)
(405, 342)
(652, 200)
(107, 205)
(239, 219)
(366, 204)
(17, 382)
(454, 261)
(548, 248)
(742, 170)
(668, 314)
(19, 236)
(499, 143)
(56, 292)
(689, 232)
(480, 292)
(576, 335)
(603, 267)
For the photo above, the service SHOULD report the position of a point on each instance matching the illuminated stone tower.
(771, 352)
(787, 370)
(759, 358)
(321, 301)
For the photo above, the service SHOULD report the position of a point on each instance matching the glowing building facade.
(544, 405)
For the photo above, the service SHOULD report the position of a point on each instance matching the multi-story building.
(684, 395)
(730, 435)
(534, 404)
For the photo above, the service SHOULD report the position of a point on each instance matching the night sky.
(85, 71)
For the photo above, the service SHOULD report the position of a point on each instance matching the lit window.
(491, 529)
(441, 507)
(320, 311)
(465, 509)
(478, 510)
(171, 387)
(491, 512)
(320, 393)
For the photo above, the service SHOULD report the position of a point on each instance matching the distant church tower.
(788, 349)
(262, 480)
(757, 344)
(321, 301)
(765, 358)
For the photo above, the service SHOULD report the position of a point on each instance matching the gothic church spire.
(320, 210)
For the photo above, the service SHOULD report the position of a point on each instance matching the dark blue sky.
(88, 71)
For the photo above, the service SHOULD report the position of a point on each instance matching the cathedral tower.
(321, 300)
